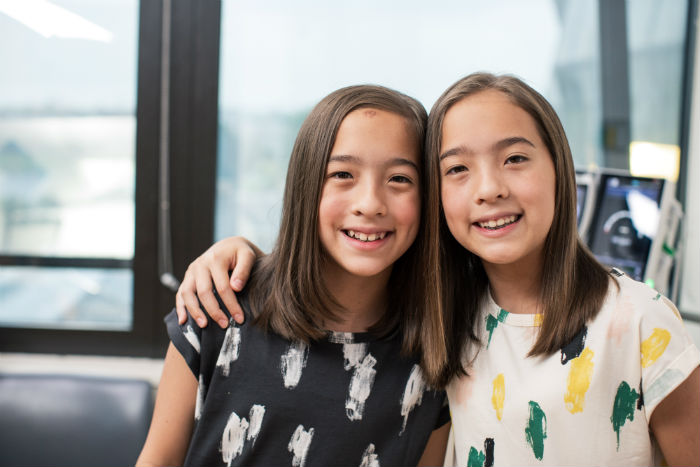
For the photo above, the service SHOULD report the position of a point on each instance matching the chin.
(365, 271)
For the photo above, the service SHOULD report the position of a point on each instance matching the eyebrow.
(396, 161)
(497, 146)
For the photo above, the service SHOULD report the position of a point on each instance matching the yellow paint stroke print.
(654, 346)
(499, 395)
(539, 317)
(578, 381)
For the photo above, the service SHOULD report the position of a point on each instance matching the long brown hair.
(574, 284)
(287, 291)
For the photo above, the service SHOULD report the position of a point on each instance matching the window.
(67, 163)
(93, 132)
(278, 60)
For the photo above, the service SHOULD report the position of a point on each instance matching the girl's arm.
(233, 253)
(676, 423)
(173, 416)
(434, 453)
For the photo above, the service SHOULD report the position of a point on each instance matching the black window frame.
(192, 103)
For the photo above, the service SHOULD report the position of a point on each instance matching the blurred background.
(135, 134)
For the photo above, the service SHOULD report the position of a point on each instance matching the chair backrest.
(68, 420)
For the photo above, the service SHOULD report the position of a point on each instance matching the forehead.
(481, 117)
(376, 133)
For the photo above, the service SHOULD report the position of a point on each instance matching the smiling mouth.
(363, 237)
(495, 224)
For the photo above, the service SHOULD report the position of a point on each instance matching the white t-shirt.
(579, 406)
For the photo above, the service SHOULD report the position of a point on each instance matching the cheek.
(452, 204)
(330, 207)
(407, 212)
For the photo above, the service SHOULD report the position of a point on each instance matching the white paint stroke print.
(353, 355)
(201, 389)
(233, 438)
(229, 349)
(238, 430)
(360, 387)
(369, 458)
(257, 412)
(293, 362)
(412, 394)
(340, 337)
(299, 445)
(192, 337)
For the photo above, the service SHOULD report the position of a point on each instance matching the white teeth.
(493, 223)
(366, 237)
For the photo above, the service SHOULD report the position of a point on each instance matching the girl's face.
(498, 180)
(370, 202)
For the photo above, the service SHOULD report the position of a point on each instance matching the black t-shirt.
(350, 399)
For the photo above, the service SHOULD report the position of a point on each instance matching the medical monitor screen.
(625, 222)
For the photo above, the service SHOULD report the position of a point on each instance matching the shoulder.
(641, 300)
(634, 313)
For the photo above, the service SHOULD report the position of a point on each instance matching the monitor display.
(625, 222)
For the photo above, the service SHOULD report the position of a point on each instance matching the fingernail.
(239, 318)
(223, 323)
(201, 322)
(237, 283)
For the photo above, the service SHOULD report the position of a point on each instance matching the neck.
(516, 289)
(363, 299)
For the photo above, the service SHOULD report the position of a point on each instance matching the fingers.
(205, 293)
(241, 271)
(187, 295)
(186, 289)
(209, 272)
(221, 282)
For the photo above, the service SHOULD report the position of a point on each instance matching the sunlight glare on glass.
(51, 20)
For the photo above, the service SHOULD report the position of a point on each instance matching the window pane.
(656, 33)
(67, 159)
(68, 298)
(67, 128)
(278, 59)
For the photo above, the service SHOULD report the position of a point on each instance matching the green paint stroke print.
(492, 323)
(623, 408)
(476, 458)
(479, 458)
(536, 430)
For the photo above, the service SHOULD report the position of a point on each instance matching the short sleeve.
(187, 340)
(667, 352)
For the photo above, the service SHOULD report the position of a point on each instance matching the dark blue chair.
(68, 420)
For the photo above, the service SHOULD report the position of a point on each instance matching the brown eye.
(400, 179)
(341, 175)
(516, 159)
(456, 169)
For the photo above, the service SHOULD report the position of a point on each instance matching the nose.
(489, 186)
(369, 199)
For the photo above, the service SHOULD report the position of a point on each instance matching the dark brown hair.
(574, 284)
(287, 291)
